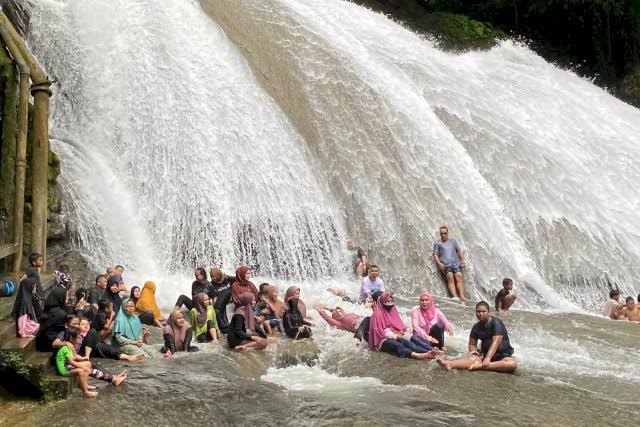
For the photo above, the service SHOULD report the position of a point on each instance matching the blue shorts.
(453, 270)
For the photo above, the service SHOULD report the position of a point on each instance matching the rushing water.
(219, 132)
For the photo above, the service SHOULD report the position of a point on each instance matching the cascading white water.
(180, 148)
(533, 167)
(174, 156)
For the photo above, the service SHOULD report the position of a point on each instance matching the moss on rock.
(459, 32)
(452, 31)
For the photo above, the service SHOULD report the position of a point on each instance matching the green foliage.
(460, 32)
(602, 35)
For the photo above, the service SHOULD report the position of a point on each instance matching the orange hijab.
(147, 300)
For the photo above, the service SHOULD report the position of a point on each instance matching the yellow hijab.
(147, 300)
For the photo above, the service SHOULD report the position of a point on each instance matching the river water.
(265, 132)
(574, 370)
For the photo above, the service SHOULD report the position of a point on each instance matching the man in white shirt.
(371, 284)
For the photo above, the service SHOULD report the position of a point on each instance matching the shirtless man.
(613, 307)
(631, 311)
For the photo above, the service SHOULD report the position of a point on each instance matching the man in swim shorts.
(449, 258)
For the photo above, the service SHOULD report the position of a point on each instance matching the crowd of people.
(109, 321)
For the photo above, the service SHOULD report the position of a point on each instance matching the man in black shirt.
(97, 291)
(505, 297)
(495, 353)
(220, 291)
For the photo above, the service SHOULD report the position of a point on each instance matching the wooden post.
(21, 145)
(40, 150)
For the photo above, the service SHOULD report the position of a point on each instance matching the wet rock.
(56, 228)
(630, 87)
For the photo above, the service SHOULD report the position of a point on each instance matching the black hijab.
(24, 300)
(113, 298)
(57, 299)
(52, 324)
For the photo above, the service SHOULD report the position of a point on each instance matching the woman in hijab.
(112, 293)
(429, 323)
(128, 335)
(57, 298)
(147, 307)
(203, 319)
(242, 334)
(339, 319)
(177, 335)
(295, 326)
(24, 311)
(386, 332)
(242, 285)
(54, 319)
(294, 290)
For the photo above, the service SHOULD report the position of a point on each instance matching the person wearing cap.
(613, 307)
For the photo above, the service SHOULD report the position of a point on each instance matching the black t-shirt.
(197, 287)
(215, 288)
(221, 292)
(95, 294)
(500, 296)
(485, 334)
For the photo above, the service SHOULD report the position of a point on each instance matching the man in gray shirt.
(449, 258)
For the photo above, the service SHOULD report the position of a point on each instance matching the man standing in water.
(449, 258)
(495, 353)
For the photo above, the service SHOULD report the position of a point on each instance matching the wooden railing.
(8, 249)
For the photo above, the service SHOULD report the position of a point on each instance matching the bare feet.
(137, 357)
(90, 394)
(444, 364)
(477, 364)
(117, 380)
(91, 387)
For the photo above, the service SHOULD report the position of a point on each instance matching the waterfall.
(266, 131)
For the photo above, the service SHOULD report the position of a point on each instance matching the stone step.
(38, 368)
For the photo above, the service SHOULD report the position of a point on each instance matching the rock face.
(629, 88)
(19, 13)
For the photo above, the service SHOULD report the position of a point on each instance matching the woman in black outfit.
(294, 324)
(242, 334)
(177, 335)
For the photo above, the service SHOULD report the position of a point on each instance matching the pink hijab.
(382, 319)
(426, 316)
(245, 309)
